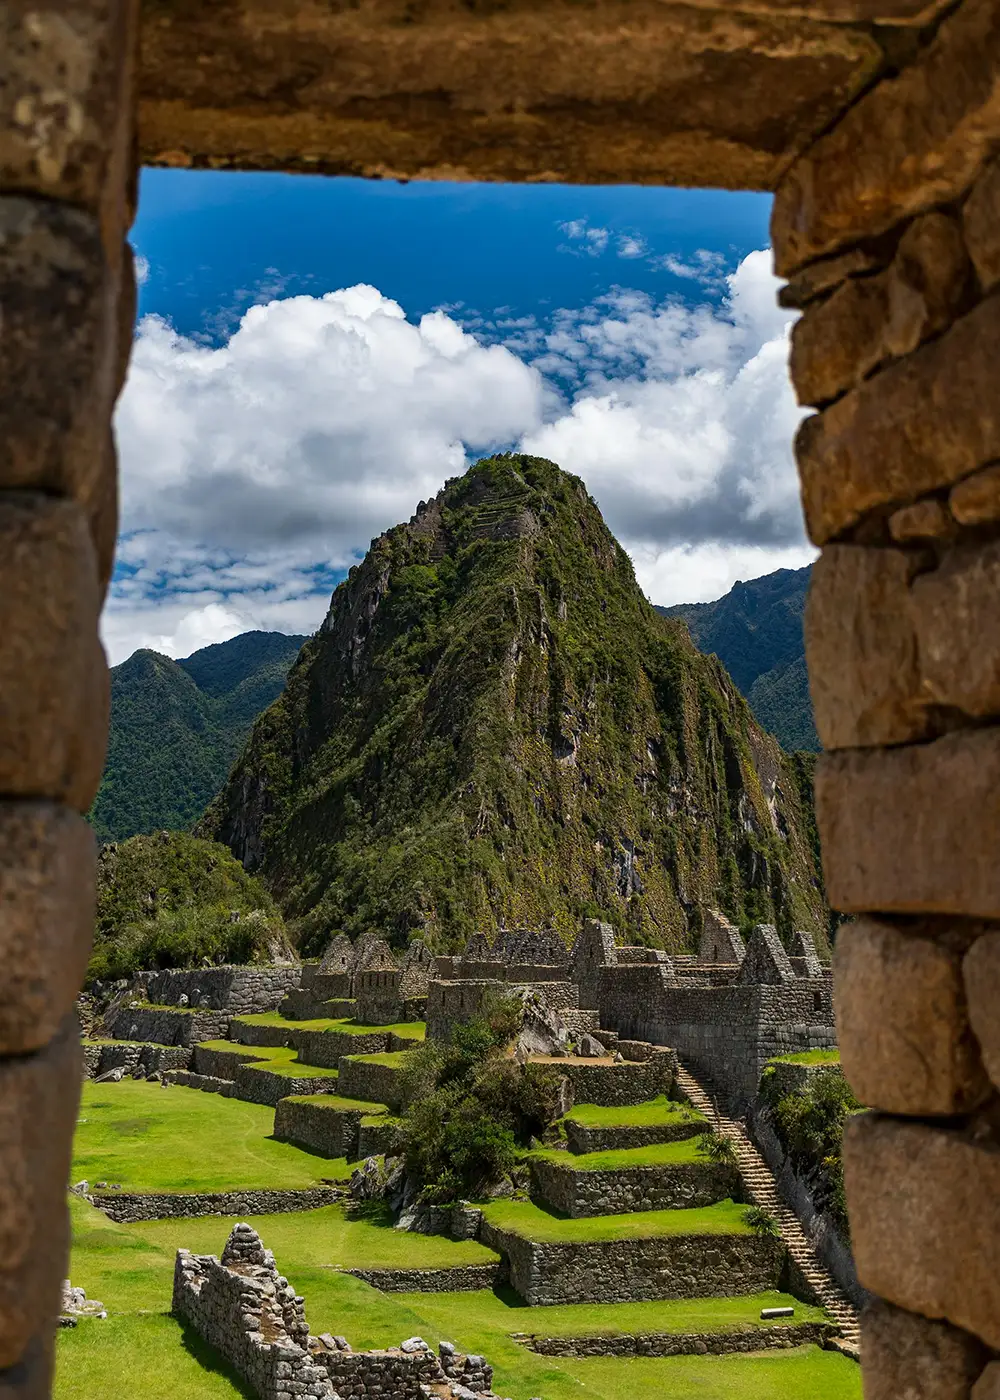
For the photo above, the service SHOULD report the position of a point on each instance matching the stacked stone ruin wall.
(137, 1059)
(750, 1339)
(451, 1002)
(369, 1081)
(727, 1034)
(619, 1085)
(167, 1026)
(466, 1278)
(682, 1186)
(256, 1084)
(242, 991)
(583, 1138)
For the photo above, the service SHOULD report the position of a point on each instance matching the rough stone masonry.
(253, 1316)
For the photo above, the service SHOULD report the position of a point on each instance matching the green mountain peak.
(493, 727)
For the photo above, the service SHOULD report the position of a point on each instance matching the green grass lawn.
(279, 1059)
(657, 1154)
(130, 1269)
(531, 1222)
(810, 1057)
(410, 1030)
(147, 1138)
(511, 1315)
(654, 1112)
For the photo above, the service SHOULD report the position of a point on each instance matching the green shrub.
(716, 1148)
(761, 1222)
(472, 1105)
(810, 1125)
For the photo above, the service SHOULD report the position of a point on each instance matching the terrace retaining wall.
(166, 1025)
(748, 1339)
(683, 1185)
(256, 1084)
(138, 1059)
(369, 1081)
(127, 1207)
(582, 1138)
(637, 1270)
(240, 990)
(327, 1130)
(464, 1278)
(621, 1085)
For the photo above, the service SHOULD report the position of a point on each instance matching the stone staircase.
(763, 1191)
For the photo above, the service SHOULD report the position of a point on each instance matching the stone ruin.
(251, 1314)
(726, 1009)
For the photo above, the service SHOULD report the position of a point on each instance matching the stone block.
(46, 919)
(982, 990)
(912, 142)
(987, 1387)
(981, 218)
(925, 1219)
(976, 500)
(861, 648)
(924, 520)
(66, 74)
(954, 612)
(59, 351)
(39, 1095)
(907, 1357)
(819, 279)
(902, 1022)
(30, 1378)
(912, 830)
(922, 424)
(54, 682)
(869, 320)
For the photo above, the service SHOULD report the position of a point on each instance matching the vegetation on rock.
(810, 1127)
(176, 727)
(472, 1105)
(756, 632)
(494, 727)
(174, 900)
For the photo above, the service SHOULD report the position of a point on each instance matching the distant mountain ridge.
(176, 727)
(756, 632)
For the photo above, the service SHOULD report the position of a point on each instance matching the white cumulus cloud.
(254, 471)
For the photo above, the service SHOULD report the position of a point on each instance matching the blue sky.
(315, 356)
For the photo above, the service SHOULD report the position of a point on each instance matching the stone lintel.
(925, 1219)
(912, 830)
(629, 91)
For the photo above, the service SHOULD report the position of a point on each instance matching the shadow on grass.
(371, 1212)
(213, 1361)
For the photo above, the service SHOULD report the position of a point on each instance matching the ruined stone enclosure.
(877, 124)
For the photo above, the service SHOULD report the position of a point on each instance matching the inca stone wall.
(578, 1192)
(126, 1208)
(166, 1026)
(635, 1270)
(889, 231)
(613, 1085)
(370, 1081)
(242, 991)
(583, 1138)
(135, 1058)
(331, 1131)
(795, 1334)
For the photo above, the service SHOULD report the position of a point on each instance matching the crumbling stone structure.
(253, 1316)
(726, 1019)
(877, 123)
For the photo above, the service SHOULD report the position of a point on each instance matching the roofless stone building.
(877, 124)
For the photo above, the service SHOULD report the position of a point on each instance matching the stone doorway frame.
(878, 127)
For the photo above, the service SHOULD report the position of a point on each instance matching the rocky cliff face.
(493, 726)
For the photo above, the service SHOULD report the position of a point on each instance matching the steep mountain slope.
(756, 632)
(176, 727)
(493, 725)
